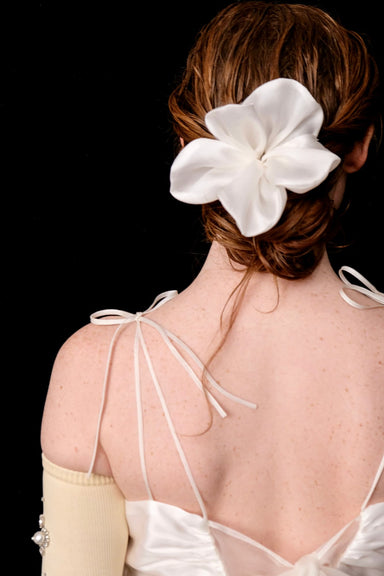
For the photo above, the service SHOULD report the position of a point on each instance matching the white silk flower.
(263, 147)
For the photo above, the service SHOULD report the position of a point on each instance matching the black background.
(87, 220)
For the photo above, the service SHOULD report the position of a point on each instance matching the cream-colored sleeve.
(84, 524)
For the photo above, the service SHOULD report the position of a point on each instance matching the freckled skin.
(280, 473)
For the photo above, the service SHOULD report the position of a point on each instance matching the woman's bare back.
(291, 472)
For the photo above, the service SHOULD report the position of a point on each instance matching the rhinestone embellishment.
(41, 538)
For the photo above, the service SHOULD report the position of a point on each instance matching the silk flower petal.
(263, 146)
(255, 203)
(203, 168)
(285, 109)
(300, 165)
(239, 126)
(258, 121)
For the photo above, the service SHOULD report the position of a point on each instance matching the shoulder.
(74, 397)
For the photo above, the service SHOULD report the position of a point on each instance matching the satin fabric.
(168, 541)
(261, 148)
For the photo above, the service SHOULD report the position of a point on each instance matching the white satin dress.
(165, 540)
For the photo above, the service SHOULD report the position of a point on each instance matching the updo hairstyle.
(250, 43)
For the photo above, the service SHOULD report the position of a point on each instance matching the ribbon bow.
(263, 147)
(121, 317)
(367, 289)
(310, 565)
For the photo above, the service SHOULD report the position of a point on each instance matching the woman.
(237, 428)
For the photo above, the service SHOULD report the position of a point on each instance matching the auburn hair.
(250, 43)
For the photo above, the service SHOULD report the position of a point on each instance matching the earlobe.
(356, 159)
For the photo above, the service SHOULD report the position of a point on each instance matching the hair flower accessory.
(263, 147)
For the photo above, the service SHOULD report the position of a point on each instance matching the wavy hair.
(250, 43)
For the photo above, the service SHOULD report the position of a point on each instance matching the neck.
(218, 262)
(220, 276)
(219, 279)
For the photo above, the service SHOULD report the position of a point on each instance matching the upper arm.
(86, 522)
(73, 400)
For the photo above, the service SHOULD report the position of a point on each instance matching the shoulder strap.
(140, 344)
(366, 288)
(103, 398)
(374, 485)
(119, 318)
(188, 471)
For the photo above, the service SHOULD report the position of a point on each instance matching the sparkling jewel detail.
(41, 538)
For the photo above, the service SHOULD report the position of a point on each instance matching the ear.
(356, 159)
